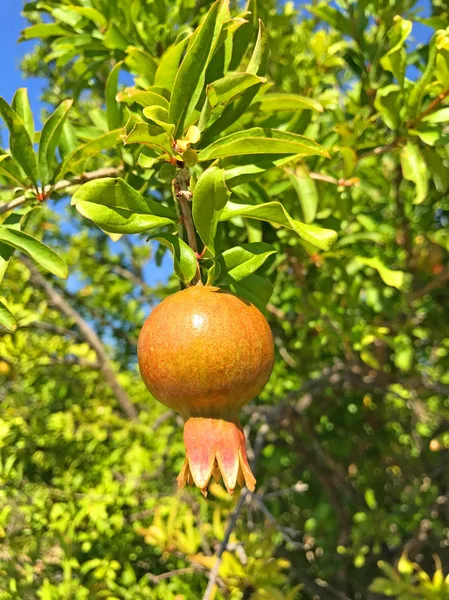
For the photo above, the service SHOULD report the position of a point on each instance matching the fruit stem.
(183, 195)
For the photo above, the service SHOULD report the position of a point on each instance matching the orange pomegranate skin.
(205, 353)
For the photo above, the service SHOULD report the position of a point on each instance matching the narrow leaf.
(231, 86)
(12, 171)
(151, 136)
(118, 220)
(169, 64)
(49, 141)
(21, 105)
(7, 319)
(307, 192)
(42, 30)
(189, 80)
(262, 141)
(254, 288)
(439, 116)
(279, 102)
(159, 116)
(75, 161)
(414, 169)
(113, 112)
(209, 198)
(241, 169)
(39, 252)
(131, 95)
(233, 111)
(116, 193)
(185, 262)
(395, 59)
(20, 141)
(239, 262)
(140, 62)
(275, 213)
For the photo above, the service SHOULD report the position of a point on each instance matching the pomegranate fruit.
(205, 353)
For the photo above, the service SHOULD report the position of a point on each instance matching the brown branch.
(169, 574)
(183, 195)
(438, 281)
(341, 181)
(213, 575)
(62, 331)
(62, 185)
(380, 149)
(90, 336)
(432, 106)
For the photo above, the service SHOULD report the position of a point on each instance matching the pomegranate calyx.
(215, 448)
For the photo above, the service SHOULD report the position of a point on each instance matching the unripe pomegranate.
(205, 353)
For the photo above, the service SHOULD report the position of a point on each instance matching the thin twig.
(183, 196)
(62, 185)
(432, 106)
(437, 282)
(169, 574)
(89, 335)
(224, 545)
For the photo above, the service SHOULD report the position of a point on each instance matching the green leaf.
(149, 135)
(68, 140)
(185, 262)
(307, 192)
(42, 30)
(414, 169)
(231, 86)
(239, 262)
(388, 102)
(169, 64)
(275, 213)
(438, 171)
(262, 141)
(49, 141)
(141, 63)
(439, 116)
(390, 277)
(118, 220)
(395, 59)
(116, 193)
(21, 105)
(20, 141)
(6, 253)
(92, 14)
(257, 66)
(254, 288)
(159, 116)
(7, 319)
(209, 198)
(39, 252)
(113, 39)
(75, 161)
(113, 111)
(189, 80)
(290, 102)
(118, 208)
(12, 171)
(240, 169)
(131, 95)
(335, 18)
(258, 63)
